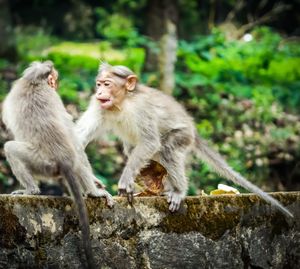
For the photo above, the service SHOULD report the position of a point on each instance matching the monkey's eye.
(98, 84)
(106, 83)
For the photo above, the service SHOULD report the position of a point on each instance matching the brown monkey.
(152, 125)
(45, 144)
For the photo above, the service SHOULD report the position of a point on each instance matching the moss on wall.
(235, 231)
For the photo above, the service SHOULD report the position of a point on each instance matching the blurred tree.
(78, 20)
(161, 27)
(7, 45)
(253, 16)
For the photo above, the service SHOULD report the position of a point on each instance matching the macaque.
(152, 126)
(45, 144)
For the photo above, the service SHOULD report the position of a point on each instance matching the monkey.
(45, 143)
(152, 126)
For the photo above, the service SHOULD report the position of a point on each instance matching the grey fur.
(37, 71)
(45, 144)
(118, 70)
(153, 125)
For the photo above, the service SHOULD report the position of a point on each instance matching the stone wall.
(226, 231)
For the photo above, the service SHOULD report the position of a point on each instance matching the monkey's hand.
(103, 193)
(126, 188)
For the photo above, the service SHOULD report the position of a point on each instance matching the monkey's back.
(168, 112)
(35, 114)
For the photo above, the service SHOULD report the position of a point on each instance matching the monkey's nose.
(98, 94)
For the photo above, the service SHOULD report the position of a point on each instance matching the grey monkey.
(45, 144)
(151, 125)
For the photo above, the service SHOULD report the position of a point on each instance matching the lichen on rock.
(236, 231)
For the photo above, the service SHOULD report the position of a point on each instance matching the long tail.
(82, 212)
(217, 163)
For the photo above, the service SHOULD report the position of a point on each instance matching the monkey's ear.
(131, 82)
(52, 81)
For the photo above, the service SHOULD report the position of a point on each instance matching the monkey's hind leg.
(176, 181)
(172, 156)
(18, 156)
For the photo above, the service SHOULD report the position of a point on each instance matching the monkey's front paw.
(126, 188)
(174, 199)
(26, 192)
(103, 193)
(129, 195)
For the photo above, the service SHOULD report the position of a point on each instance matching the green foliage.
(4, 64)
(239, 93)
(243, 68)
(31, 41)
(118, 29)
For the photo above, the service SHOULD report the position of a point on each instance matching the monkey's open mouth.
(105, 103)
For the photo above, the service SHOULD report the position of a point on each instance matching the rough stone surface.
(225, 231)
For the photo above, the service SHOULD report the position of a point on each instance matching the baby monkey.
(152, 126)
(45, 144)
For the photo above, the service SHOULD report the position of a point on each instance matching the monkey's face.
(110, 90)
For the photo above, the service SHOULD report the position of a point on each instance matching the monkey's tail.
(66, 171)
(217, 163)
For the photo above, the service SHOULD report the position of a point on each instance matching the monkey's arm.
(139, 158)
(88, 126)
(127, 149)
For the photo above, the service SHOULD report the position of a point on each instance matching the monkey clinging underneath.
(151, 125)
(45, 144)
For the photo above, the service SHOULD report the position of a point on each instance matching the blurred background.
(234, 64)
